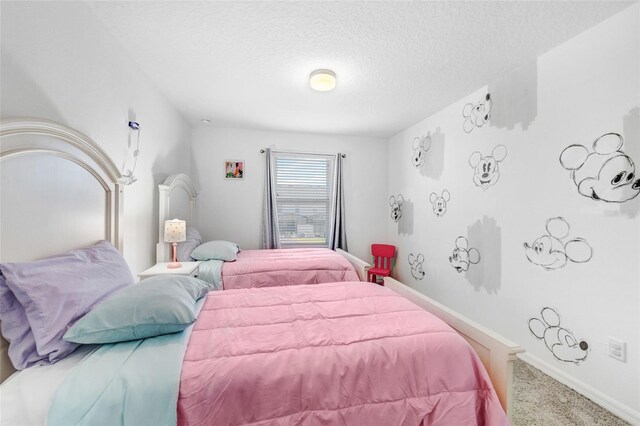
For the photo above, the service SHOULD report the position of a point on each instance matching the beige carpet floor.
(540, 400)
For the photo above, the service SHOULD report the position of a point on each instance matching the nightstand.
(188, 268)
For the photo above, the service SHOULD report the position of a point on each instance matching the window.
(304, 195)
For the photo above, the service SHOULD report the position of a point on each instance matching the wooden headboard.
(177, 200)
(60, 191)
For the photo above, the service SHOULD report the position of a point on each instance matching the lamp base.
(174, 265)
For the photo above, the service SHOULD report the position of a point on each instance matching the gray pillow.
(185, 248)
(216, 250)
(159, 305)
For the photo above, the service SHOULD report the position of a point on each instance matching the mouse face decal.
(416, 265)
(396, 207)
(462, 256)
(553, 251)
(420, 147)
(440, 202)
(475, 115)
(560, 341)
(606, 174)
(486, 170)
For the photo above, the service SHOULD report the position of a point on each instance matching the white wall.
(60, 63)
(571, 95)
(232, 210)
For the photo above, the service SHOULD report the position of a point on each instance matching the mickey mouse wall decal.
(420, 147)
(560, 341)
(440, 202)
(416, 265)
(486, 170)
(551, 252)
(606, 174)
(475, 115)
(396, 207)
(463, 256)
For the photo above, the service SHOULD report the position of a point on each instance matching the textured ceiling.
(246, 64)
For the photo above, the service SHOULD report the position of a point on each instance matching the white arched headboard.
(177, 200)
(59, 191)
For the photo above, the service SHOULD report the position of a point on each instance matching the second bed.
(269, 268)
(250, 268)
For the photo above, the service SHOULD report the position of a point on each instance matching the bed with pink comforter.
(336, 354)
(283, 267)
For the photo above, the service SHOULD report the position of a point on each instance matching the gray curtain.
(338, 235)
(270, 238)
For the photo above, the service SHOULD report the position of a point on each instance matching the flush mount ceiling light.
(205, 121)
(322, 80)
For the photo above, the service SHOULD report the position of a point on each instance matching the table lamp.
(175, 231)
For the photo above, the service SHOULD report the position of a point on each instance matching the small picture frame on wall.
(233, 169)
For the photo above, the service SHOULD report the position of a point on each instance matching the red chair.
(382, 255)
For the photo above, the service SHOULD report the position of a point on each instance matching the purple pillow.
(15, 328)
(185, 248)
(57, 291)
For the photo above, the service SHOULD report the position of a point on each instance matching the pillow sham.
(58, 290)
(15, 327)
(216, 250)
(159, 305)
(185, 248)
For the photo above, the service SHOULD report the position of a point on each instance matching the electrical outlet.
(618, 349)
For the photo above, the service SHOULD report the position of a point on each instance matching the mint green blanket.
(211, 272)
(127, 383)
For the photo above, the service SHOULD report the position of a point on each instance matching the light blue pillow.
(159, 305)
(216, 250)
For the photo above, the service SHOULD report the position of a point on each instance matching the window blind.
(304, 194)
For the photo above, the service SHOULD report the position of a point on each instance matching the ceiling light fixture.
(322, 80)
(205, 121)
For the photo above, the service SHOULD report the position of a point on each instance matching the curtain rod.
(262, 151)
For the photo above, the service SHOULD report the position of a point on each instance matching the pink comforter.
(335, 354)
(269, 268)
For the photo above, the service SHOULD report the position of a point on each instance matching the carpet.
(540, 400)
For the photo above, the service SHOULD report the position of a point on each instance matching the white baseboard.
(594, 395)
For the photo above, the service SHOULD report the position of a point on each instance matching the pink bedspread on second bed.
(335, 354)
(281, 267)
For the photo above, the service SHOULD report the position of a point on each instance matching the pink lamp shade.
(175, 231)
